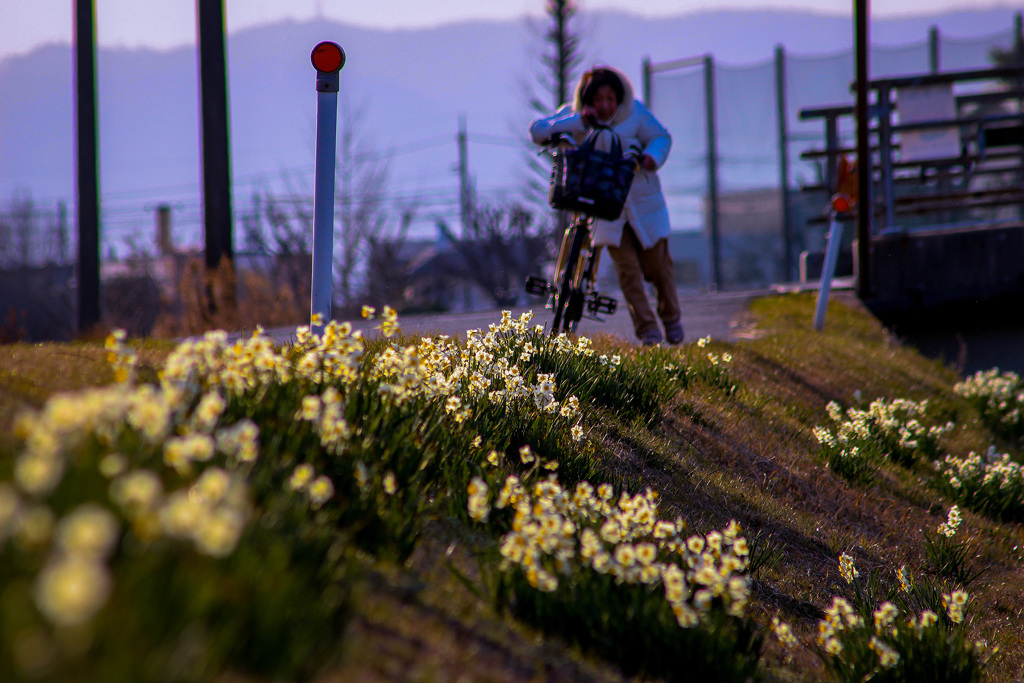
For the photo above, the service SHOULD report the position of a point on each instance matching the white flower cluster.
(895, 424)
(185, 422)
(999, 395)
(326, 412)
(319, 489)
(843, 625)
(122, 359)
(995, 477)
(952, 523)
(75, 582)
(182, 420)
(847, 569)
(955, 604)
(479, 507)
(456, 375)
(212, 512)
(558, 533)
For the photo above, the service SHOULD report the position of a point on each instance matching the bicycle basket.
(591, 181)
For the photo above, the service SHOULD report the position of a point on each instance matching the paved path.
(715, 315)
(723, 316)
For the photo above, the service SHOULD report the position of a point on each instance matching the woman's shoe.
(674, 333)
(651, 337)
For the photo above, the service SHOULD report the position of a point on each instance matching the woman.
(638, 239)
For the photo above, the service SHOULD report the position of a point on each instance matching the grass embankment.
(367, 527)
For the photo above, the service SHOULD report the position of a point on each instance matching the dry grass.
(31, 373)
(223, 299)
(751, 456)
(714, 456)
(419, 623)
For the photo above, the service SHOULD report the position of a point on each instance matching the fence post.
(709, 99)
(87, 150)
(865, 202)
(62, 231)
(327, 58)
(828, 269)
(780, 100)
(647, 82)
(216, 151)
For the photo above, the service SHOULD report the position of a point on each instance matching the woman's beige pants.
(634, 265)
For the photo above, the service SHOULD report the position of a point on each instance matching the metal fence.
(32, 235)
(736, 168)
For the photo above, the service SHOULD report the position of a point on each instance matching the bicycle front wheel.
(566, 284)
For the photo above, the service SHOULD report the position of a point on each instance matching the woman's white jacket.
(645, 205)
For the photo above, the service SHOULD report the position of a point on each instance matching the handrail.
(890, 171)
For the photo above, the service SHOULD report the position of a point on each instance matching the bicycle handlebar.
(566, 141)
(558, 140)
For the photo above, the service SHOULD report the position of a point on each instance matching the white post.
(327, 58)
(828, 269)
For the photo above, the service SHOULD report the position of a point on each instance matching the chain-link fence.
(37, 253)
(32, 235)
(737, 133)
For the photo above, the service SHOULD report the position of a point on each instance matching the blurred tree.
(1013, 55)
(388, 269)
(501, 247)
(362, 175)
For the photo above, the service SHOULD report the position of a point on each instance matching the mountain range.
(403, 92)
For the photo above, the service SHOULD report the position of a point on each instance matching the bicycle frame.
(573, 292)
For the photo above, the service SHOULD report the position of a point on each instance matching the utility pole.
(465, 189)
(781, 115)
(865, 200)
(216, 164)
(715, 280)
(164, 238)
(87, 150)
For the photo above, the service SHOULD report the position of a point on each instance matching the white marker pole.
(828, 270)
(327, 58)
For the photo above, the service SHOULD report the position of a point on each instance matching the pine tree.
(561, 57)
(560, 61)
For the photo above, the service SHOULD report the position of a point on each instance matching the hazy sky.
(169, 23)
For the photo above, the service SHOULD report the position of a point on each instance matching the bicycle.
(573, 290)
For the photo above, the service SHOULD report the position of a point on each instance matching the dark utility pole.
(781, 114)
(214, 105)
(465, 189)
(715, 283)
(88, 166)
(864, 199)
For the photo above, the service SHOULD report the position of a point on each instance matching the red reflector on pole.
(840, 203)
(327, 57)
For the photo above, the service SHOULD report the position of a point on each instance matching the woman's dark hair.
(595, 78)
